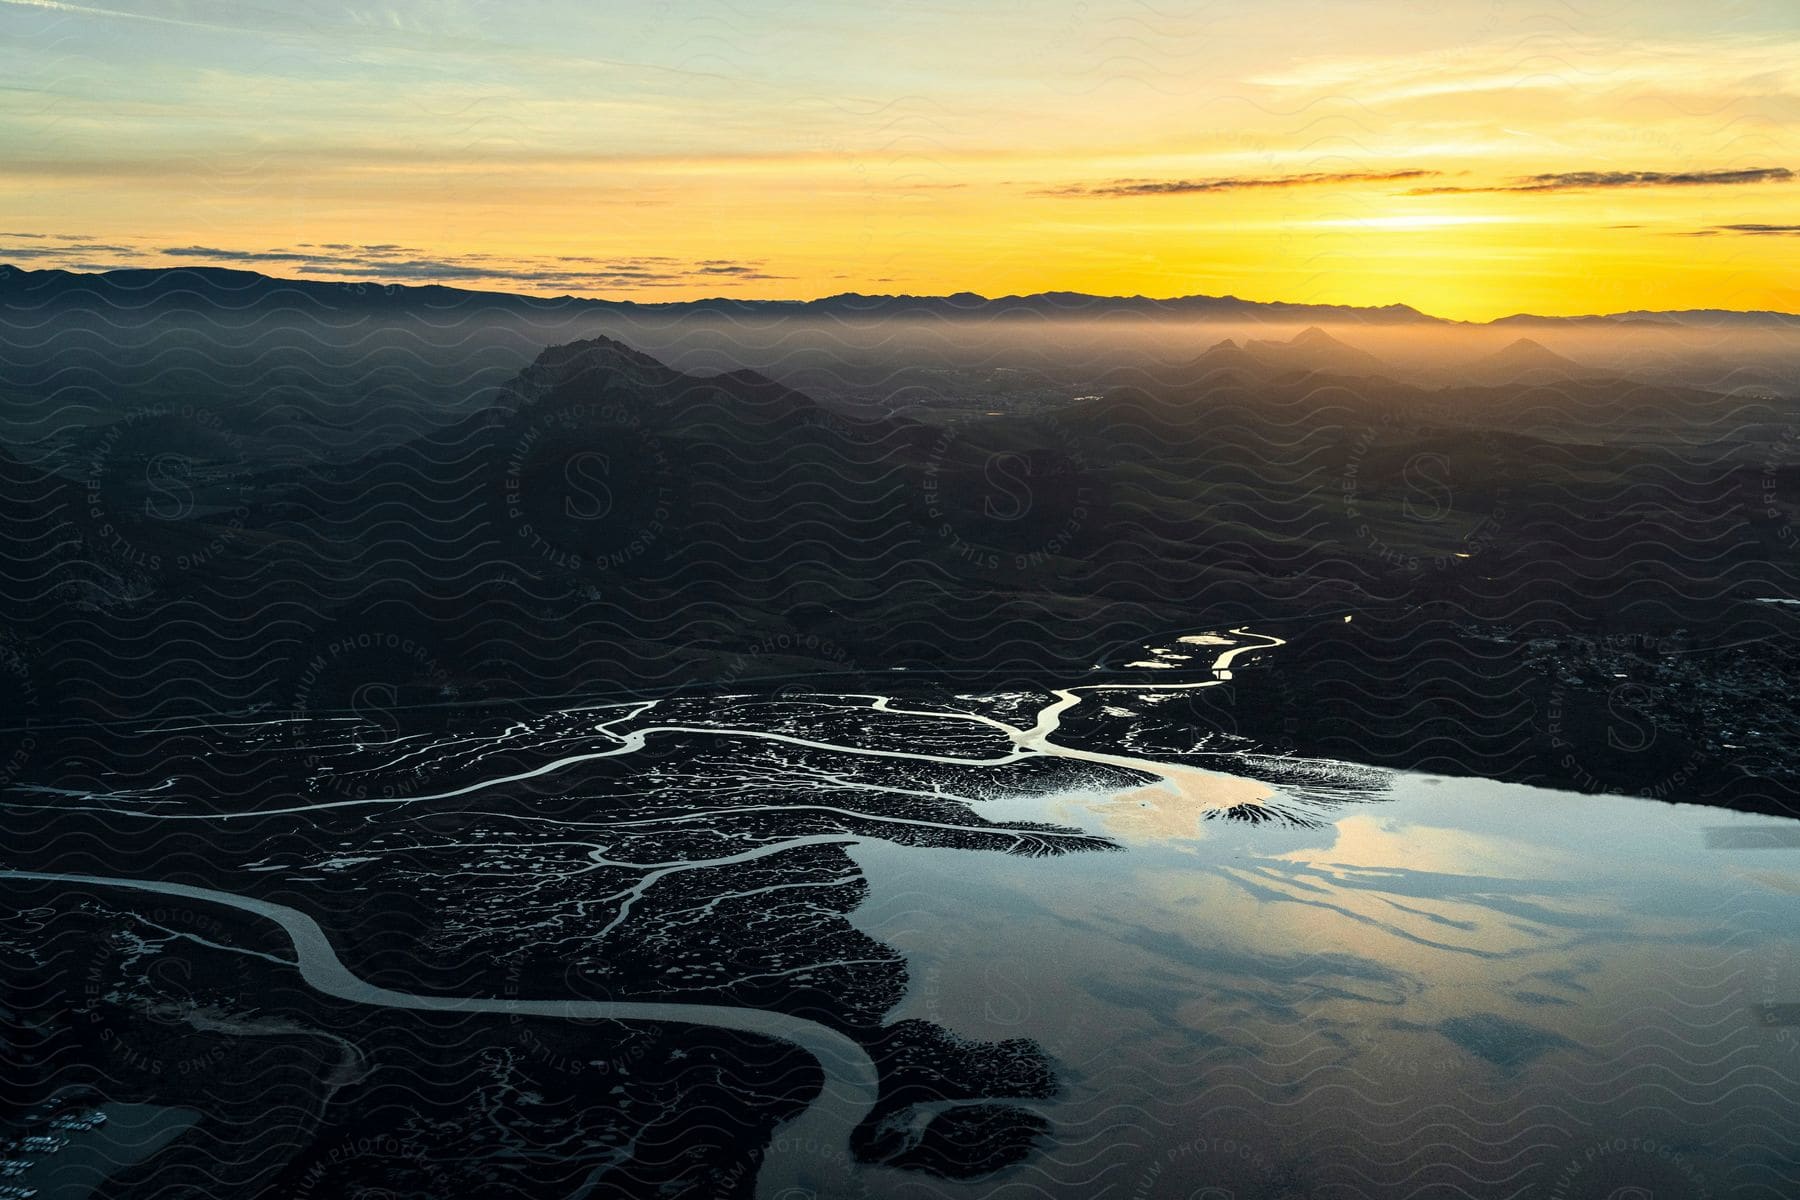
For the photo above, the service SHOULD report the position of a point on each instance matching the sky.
(1471, 158)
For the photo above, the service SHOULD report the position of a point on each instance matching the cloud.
(598, 273)
(395, 263)
(1748, 229)
(1726, 66)
(1579, 181)
(218, 255)
(60, 250)
(1230, 183)
(10, 253)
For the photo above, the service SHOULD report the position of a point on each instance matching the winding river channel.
(1419, 988)
(851, 1078)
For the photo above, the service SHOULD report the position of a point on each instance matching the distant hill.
(1249, 373)
(1317, 352)
(225, 289)
(1522, 361)
(1688, 318)
(232, 290)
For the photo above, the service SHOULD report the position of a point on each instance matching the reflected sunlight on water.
(1458, 985)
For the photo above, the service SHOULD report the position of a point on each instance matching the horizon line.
(418, 284)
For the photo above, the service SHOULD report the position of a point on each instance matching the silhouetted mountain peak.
(591, 362)
(1528, 350)
(1312, 349)
(1229, 356)
(1313, 337)
(1525, 356)
(598, 351)
(600, 382)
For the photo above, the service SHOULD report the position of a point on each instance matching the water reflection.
(1462, 987)
(1174, 809)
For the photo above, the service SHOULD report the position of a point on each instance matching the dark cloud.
(1230, 183)
(654, 261)
(420, 269)
(460, 270)
(561, 272)
(218, 255)
(1576, 181)
(392, 262)
(1749, 230)
(61, 250)
(9, 253)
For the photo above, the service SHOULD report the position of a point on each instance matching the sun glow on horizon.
(1408, 221)
(1470, 162)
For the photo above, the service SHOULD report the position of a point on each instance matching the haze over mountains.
(218, 490)
(338, 370)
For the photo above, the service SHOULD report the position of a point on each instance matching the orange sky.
(1472, 159)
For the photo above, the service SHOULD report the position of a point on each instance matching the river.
(1428, 983)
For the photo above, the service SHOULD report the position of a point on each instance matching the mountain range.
(607, 524)
(224, 289)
